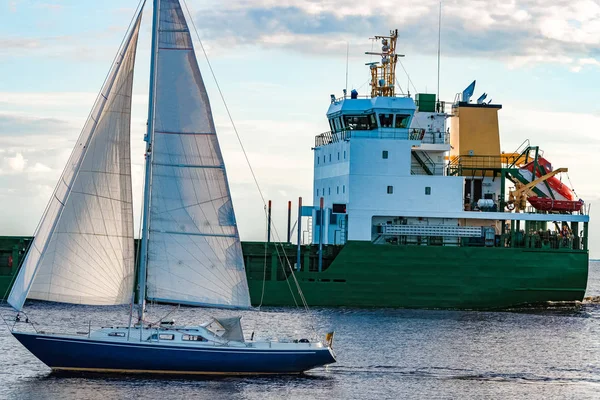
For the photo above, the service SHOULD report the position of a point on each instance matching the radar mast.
(383, 74)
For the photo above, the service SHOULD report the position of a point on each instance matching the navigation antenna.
(383, 77)
(347, 57)
(439, 50)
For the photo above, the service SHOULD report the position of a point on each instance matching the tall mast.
(383, 74)
(439, 51)
(148, 174)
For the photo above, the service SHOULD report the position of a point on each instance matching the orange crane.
(517, 198)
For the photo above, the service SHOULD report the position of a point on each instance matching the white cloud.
(12, 165)
(521, 32)
(582, 62)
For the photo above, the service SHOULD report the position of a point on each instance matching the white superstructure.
(390, 170)
(376, 163)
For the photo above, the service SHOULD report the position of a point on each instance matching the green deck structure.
(362, 274)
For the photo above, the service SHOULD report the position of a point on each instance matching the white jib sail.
(194, 250)
(82, 252)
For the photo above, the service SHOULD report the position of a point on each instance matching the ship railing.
(536, 240)
(429, 136)
(457, 164)
(329, 137)
(365, 96)
(19, 322)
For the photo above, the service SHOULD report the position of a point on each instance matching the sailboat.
(190, 251)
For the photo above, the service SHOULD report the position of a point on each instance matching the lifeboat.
(548, 204)
(560, 191)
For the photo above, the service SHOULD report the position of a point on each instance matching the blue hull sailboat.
(171, 351)
(190, 250)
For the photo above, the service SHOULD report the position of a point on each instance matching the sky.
(277, 62)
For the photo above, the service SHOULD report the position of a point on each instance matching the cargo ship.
(415, 205)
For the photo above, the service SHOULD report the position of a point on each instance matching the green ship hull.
(362, 274)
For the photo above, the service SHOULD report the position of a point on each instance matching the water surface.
(551, 353)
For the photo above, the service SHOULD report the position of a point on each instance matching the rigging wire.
(408, 76)
(243, 149)
(571, 183)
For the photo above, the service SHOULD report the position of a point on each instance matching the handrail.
(429, 169)
(332, 137)
(427, 137)
(485, 162)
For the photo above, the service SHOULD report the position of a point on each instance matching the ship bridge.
(379, 117)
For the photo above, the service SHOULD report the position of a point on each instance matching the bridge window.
(384, 154)
(428, 190)
(402, 120)
(360, 122)
(331, 125)
(386, 120)
(338, 124)
(390, 189)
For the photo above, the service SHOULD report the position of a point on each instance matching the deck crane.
(517, 199)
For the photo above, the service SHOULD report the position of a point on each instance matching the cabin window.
(117, 334)
(344, 154)
(386, 120)
(360, 122)
(317, 192)
(402, 120)
(330, 158)
(323, 191)
(427, 190)
(390, 189)
(323, 159)
(343, 188)
(338, 155)
(194, 338)
(384, 154)
(318, 160)
(166, 336)
(329, 191)
(338, 190)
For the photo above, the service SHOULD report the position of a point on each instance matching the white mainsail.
(194, 252)
(82, 252)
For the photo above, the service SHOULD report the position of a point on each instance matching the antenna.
(468, 92)
(347, 54)
(439, 50)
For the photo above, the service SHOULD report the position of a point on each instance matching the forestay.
(194, 251)
(82, 252)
